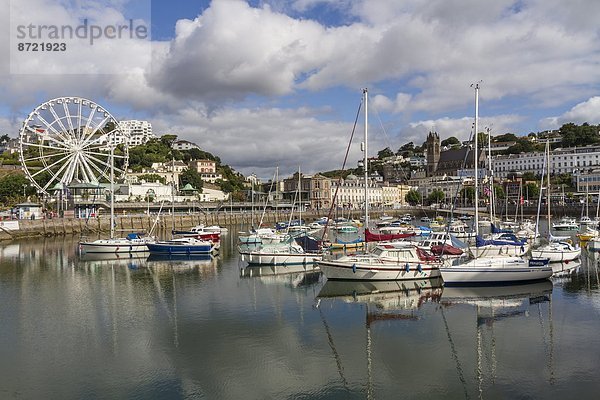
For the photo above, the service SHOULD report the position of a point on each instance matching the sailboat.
(555, 250)
(295, 248)
(493, 268)
(186, 245)
(133, 243)
(389, 260)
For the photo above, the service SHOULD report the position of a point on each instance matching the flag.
(521, 200)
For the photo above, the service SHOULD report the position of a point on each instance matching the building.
(203, 166)
(433, 152)
(351, 193)
(207, 170)
(314, 192)
(184, 145)
(453, 160)
(562, 161)
(137, 132)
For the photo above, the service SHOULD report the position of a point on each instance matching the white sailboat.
(555, 250)
(133, 243)
(389, 260)
(496, 268)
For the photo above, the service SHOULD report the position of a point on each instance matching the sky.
(278, 83)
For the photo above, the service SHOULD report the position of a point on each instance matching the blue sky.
(277, 83)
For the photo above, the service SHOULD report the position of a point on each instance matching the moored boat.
(185, 245)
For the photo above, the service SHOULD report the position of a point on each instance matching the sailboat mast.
(476, 85)
(491, 175)
(548, 184)
(299, 197)
(366, 165)
(112, 188)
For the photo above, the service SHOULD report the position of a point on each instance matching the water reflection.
(384, 295)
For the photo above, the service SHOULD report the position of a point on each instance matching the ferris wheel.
(72, 140)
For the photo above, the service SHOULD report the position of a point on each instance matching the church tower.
(433, 152)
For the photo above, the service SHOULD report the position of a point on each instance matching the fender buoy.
(354, 268)
(419, 268)
(407, 267)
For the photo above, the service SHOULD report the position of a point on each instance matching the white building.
(138, 132)
(562, 161)
(351, 193)
(184, 145)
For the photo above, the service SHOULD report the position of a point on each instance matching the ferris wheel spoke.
(79, 132)
(68, 118)
(104, 154)
(62, 144)
(86, 164)
(55, 176)
(70, 174)
(89, 119)
(53, 129)
(44, 156)
(84, 172)
(58, 119)
(103, 172)
(49, 167)
(99, 126)
(45, 146)
(99, 161)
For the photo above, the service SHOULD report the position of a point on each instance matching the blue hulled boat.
(185, 245)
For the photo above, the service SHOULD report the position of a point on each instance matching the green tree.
(192, 177)
(168, 139)
(532, 190)
(499, 192)
(11, 188)
(436, 196)
(468, 193)
(385, 153)
(450, 141)
(507, 137)
(529, 176)
(152, 178)
(413, 197)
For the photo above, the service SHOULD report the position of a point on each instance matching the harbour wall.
(144, 223)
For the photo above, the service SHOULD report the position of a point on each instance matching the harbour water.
(146, 328)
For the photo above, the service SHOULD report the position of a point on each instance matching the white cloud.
(587, 111)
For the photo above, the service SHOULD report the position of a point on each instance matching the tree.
(385, 153)
(406, 150)
(11, 188)
(468, 193)
(413, 197)
(529, 176)
(507, 137)
(436, 196)
(532, 190)
(152, 178)
(192, 177)
(168, 139)
(450, 141)
(499, 192)
(574, 135)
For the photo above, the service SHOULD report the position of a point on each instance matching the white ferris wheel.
(72, 140)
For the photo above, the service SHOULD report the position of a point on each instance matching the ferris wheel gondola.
(71, 139)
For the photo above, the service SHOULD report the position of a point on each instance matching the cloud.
(587, 111)
(261, 139)
(461, 128)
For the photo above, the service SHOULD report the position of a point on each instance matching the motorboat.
(495, 270)
(566, 224)
(132, 243)
(388, 261)
(184, 245)
(558, 251)
(302, 250)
